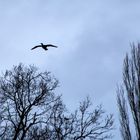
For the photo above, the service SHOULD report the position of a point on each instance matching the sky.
(93, 37)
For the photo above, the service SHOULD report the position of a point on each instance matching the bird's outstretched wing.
(36, 47)
(50, 45)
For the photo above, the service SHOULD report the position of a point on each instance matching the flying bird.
(45, 47)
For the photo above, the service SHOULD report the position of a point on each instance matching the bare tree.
(29, 110)
(129, 94)
(124, 116)
(25, 96)
(80, 125)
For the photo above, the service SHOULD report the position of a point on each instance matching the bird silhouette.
(45, 47)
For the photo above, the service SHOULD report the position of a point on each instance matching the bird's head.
(41, 44)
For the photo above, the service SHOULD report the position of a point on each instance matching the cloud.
(93, 37)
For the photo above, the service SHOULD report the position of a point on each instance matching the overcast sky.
(93, 37)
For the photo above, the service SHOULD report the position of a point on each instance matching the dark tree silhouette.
(29, 110)
(25, 96)
(129, 95)
(80, 125)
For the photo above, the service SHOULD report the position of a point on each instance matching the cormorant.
(45, 47)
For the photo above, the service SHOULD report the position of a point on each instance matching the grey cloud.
(93, 37)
